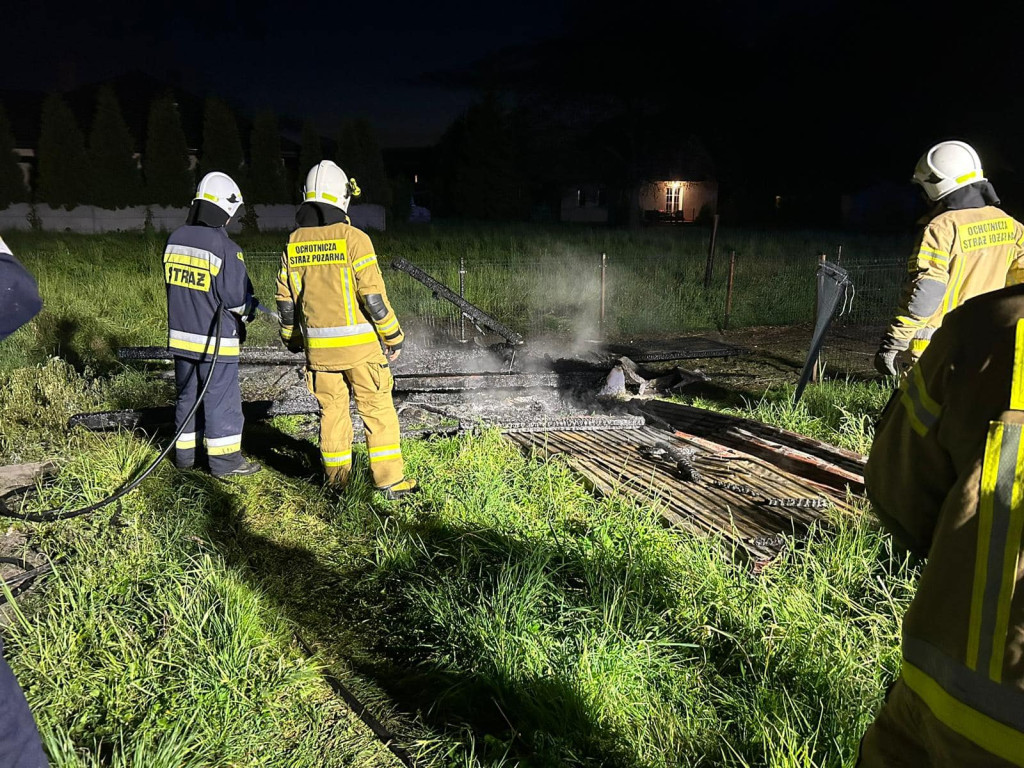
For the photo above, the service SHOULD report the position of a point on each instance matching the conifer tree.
(222, 143)
(114, 179)
(266, 172)
(12, 181)
(169, 180)
(63, 165)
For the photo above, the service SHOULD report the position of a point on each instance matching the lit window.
(673, 195)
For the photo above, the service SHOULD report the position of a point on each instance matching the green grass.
(503, 617)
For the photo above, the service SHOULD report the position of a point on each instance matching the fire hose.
(56, 514)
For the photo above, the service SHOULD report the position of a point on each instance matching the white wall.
(87, 219)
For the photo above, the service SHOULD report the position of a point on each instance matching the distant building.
(678, 201)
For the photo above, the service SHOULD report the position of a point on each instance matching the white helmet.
(327, 183)
(947, 166)
(220, 189)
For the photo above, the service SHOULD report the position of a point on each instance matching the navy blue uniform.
(19, 296)
(203, 268)
(20, 746)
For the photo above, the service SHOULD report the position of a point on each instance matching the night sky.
(803, 87)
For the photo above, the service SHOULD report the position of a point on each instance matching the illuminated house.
(678, 200)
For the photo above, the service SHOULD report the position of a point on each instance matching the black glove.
(251, 308)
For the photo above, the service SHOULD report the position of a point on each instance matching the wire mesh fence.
(644, 288)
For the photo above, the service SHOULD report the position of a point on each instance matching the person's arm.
(1015, 269)
(235, 286)
(286, 298)
(909, 472)
(928, 275)
(19, 294)
(374, 298)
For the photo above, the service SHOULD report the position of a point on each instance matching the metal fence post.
(816, 368)
(604, 278)
(462, 294)
(728, 290)
(710, 267)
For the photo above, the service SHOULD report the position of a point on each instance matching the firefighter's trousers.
(906, 734)
(20, 746)
(370, 384)
(219, 419)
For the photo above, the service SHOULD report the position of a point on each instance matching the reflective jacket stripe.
(364, 262)
(922, 410)
(194, 342)
(1017, 385)
(1000, 517)
(955, 283)
(340, 330)
(342, 341)
(195, 257)
(989, 714)
(350, 298)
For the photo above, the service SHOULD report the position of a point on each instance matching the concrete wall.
(87, 219)
(694, 196)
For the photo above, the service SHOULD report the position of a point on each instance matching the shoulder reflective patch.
(317, 252)
(1017, 375)
(240, 256)
(986, 234)
(196, 278)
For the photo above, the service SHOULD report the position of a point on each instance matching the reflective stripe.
(239, 310)
(1017, 385)
(989, 714)
(918, 346)
(953, 290)
(364, 262)
(226, 350)
(385, 452)
(311, 195)
(297, 283)
(196, 257)
(966, 177)
(346, 287)
(287, 332)
(218, 446)
(326, 196)
(936, 254)
(337, 459)
(283, 275)
(389, 326)
(921, 408)
(342, 341)
(338, 331)
(1000, 519)
(185, 441)
(910, 322)
(934, 258)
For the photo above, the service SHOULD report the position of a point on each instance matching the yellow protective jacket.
(332, 300)
(946, 476)
(961, 254)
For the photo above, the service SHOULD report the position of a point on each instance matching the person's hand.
(885, 362)
(393, 353)
(251, 309)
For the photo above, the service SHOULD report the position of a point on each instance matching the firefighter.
(967, 248)
(19, 296)
(204, 269)
(945, 477)
(333, 304)
(20, 745)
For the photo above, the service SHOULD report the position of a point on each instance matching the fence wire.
(648, 294)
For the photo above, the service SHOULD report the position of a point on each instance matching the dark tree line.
(111, 170)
